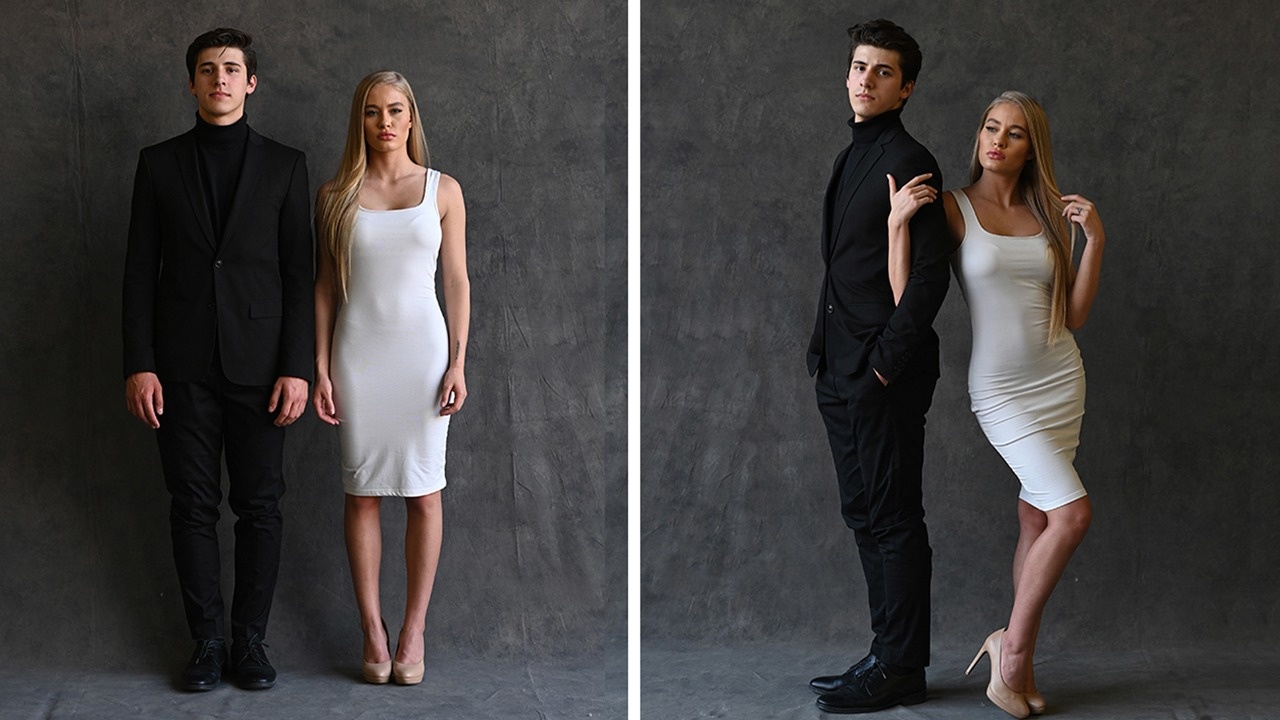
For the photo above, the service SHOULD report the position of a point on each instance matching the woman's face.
(1004, 145)
(386, 119)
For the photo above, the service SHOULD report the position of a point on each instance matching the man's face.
(875, 82)
(221, 84)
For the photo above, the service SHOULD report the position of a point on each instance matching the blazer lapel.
(190, 167)
(869, 159)
(245, 187)
(829, 202)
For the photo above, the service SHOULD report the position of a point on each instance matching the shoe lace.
(206, 649)
(254, 651)
(860, 672)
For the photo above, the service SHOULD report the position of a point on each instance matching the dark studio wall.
(1162, 113)
(523, 104)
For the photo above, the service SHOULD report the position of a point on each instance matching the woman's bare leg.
(1031, 523)
(363, 525)
(1037, 572)
(423, 533)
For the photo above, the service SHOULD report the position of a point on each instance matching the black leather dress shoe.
(875, 689)
(253, 669)
(204, 669)
(831, 683)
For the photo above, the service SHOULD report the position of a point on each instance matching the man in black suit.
(877, 364)
(219, 340)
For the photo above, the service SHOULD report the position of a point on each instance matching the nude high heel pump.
(1035, 702)
(410, 673)
(378, 673)
(1014, 703)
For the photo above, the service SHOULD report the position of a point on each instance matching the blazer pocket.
(265, 309)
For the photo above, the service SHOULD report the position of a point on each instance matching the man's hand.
(290, 395)
(144, 398)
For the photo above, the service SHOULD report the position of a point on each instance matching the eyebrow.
(876, 65)
(390, 104)
(207, 63)
(1011, 127)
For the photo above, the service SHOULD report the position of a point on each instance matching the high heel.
(409, 673)
(1014, 703)
(1035, 702)
(379, 673)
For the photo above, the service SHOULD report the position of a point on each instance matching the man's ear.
(907, 89)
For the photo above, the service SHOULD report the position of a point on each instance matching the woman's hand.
(905, 201)
(1081, 211)
(322, 399)
(453, 391)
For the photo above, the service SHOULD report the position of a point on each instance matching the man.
(218, 344)
(877, 364)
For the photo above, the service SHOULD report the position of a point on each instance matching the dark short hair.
(222, 37)
(885, 34)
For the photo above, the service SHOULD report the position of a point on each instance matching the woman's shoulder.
(447, 181)
(449, 189)
(955, 218)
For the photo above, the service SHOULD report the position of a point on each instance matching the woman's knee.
(1031, 519)
(1075, 517)
(362, 504)
(424, 505)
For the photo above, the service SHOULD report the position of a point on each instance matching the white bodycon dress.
(390, 353)
(1027, 394)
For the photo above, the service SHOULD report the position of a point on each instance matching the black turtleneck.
(864, 134)
(220, 150)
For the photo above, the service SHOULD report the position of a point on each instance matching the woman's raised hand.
(1080, 210)
(905, 201)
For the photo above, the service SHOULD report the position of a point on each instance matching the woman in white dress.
(1014, 239)
(389, 368)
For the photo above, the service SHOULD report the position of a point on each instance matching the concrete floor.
(770, 682)
(591, 687)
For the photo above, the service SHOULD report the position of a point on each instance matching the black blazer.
(252, 293)
(858, 324)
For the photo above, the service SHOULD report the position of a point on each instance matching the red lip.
(994, 155)
(864, 96)
(386, 136)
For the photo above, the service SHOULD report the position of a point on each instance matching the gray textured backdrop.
(524, 105)
(1163, 113)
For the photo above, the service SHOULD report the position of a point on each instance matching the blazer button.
(831, 309)
(217, 264)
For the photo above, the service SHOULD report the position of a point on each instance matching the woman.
(389, 369)
(1012, 229)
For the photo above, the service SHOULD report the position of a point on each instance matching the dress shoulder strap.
(966, 210)
(433, 187)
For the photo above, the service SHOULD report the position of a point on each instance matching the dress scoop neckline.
(978, 221)
(426, 183)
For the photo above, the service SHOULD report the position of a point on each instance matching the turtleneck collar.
(867, 131)
(235, 133)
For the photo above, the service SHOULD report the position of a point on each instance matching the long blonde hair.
(337, 214)
(1040, 193)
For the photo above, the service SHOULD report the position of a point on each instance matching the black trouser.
(200, 420)
(877, 442)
